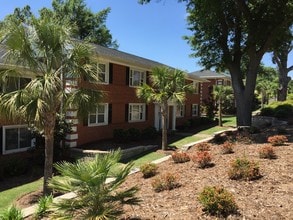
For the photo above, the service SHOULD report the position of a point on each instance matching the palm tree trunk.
(220, 113)
(49, 150)
(164, 108)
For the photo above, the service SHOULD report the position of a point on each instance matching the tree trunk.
(164, 108)
(49, 149)
(283, 85)
(220, 113)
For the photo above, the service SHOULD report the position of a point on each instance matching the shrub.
(217, 201)
(202, 158)
(243, 169)
(11, 213)
(267, 111)
(133, 134)
(168, 181)
(204, 146)
(15, 167)
(149, 133)
(227, 147)
(277, 140)
(96, 197)
(120, 135)
(267, 152)
(180, 157)
(43, 206)
(283, 110)
(148, 170)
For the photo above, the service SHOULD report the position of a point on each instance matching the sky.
(154, 31)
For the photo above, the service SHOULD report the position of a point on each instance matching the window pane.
(136, 78)
(24, 138)
(101, 108)
(92, 119)
(101, 118)
(102, 68)
(11, 139)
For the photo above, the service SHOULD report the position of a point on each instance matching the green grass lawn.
(8, 196)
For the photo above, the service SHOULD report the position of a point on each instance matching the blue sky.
(153, 31)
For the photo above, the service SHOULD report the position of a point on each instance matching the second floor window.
(103, 73)
(100, 117)
(195, 87)
(137, 77)
(14, 83)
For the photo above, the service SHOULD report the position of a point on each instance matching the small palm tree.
(166, 85)
(221, 93)
(96, 198)
(44, 51)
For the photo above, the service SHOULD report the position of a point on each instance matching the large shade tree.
(166, 85)
(225, 32)
(44, 51)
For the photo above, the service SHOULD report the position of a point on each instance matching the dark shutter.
(191, 112)
(126, 112)
(110, 73)
(127, 75)
(147, 77)
(146, 112)
(109, 113)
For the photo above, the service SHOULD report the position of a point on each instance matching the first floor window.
(100, 116)
(180, 111)
(16, 138)
(137, 112)
(194, 109)
(219, 82)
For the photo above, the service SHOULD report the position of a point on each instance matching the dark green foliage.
(15, 166)
(148, 170)
(149, 133)
(134, 134)
(120, 135)
(267, 111)
(217, 201)
(283, 111)
(43, 206)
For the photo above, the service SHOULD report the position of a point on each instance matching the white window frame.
(220, 82)
(180, 110)
(142, 77)
(4, 151)
(196, 107)
(141, 112)
(106, 73)
(195, 85)
(96, 114)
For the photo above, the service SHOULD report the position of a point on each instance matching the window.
(219, 82)
(194, 110)
(103, 72)
(16, 138)
(136, 112)
(15, 83)
(137, 77)
(180, 111)
(100, 117)
(195, 87)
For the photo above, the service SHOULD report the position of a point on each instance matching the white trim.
(4, 151)
(71, 143)
(106, 117)
(141, 105)
(71, 137)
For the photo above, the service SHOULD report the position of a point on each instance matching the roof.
(209, 74)
(127, 58)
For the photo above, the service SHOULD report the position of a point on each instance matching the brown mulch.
(270, 197)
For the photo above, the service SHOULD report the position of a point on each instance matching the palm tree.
(166, 85)
(222, 93)
(96, 198)
(44, 51)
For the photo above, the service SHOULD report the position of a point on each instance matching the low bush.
(267, 152)
(133, 134)
(217, 201)
(204, 146)
(283, 111)
(227, 147)
(180, 157)
(149, 133)
(243, 169)
(267, 111)
(15, 167)
(148, 170)
(120, 135)
(167, 181)
(12, 213)
(202, 158)
(277, 140)
(43, 206)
